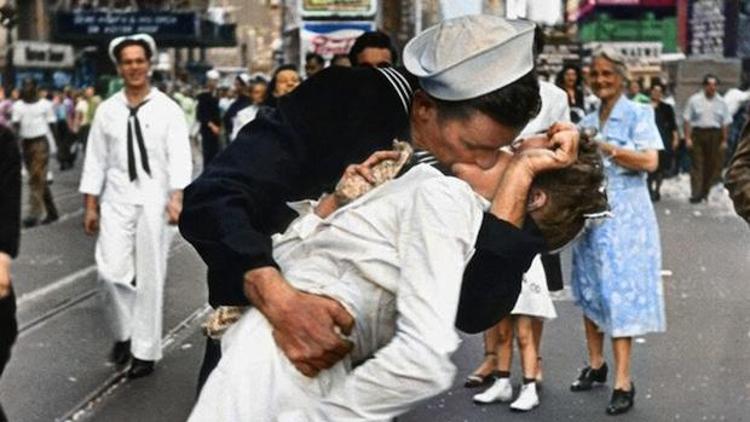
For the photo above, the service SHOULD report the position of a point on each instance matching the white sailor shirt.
(167, 147)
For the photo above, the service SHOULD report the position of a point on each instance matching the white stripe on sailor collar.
(403, 94)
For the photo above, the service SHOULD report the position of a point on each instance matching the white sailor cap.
(470, 56)
(147, 39)
(213, 74)
(244, 78)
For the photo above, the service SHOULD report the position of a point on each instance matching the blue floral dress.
(617, 261)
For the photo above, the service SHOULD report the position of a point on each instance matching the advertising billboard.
(329, 38)
(333, 8)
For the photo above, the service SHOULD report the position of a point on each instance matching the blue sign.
(103, 26)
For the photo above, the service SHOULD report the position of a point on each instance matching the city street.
(699, 370)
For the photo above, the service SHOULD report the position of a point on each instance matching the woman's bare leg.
(537, 326)
(621, 348)
(489, 362)
(527, 346)
(504, 330)
(594, 343)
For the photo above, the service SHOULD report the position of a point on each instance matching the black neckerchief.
(421, 156)
(141, 146)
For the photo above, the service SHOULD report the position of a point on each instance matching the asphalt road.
(699, 370)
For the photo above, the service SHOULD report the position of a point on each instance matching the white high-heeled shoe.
(527, 399)
(500, 391)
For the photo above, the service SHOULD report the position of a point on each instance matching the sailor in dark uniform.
(457, 74)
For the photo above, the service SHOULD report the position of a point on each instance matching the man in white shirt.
(137, 163)
(394, 259)
(736, 98)
(33, 120)
(707, 121)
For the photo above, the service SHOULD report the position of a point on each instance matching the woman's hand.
(359, 178)
(561, 151)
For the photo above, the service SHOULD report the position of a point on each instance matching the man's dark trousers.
(707, 161)
(210, 145)
(8, 333)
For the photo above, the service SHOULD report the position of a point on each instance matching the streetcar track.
(61, 307)
(69, 302)
(74, 277)
(169, 343)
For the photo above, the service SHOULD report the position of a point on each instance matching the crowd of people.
(344, 265)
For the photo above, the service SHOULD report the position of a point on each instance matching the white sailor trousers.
(131, 259)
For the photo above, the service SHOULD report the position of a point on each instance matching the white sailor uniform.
(134, 159)
(394, 259)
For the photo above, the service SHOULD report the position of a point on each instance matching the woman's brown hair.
(573, 194)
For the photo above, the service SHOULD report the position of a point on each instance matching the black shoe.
(478, 380)
(621, 401)
(694, 200)
(30, 222)
(50, 219)
(120, 353)
(140, 368)
(588, 377)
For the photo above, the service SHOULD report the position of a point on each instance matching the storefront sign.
(103, 26)
(331, 38)
(327, 8)
(42, 55)
(634, 52)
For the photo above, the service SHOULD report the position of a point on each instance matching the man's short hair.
(658, 82)
(513, 105)
(127, 43)
(574, 194)
(373, 39)
(312, 56)
(708, 77)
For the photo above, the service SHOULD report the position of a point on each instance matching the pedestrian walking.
(209, 117)
(616, 264)
(670, 138)
(93, 100)
(10, 225)
(242, 89)
(63, 132)
(34, 121)
(137, 163)
(707, 121)
(570, 80)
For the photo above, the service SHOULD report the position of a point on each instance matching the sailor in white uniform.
(137, 163)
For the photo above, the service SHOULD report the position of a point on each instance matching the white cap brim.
(136, 37)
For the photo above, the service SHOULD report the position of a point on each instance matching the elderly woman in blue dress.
(616, 263)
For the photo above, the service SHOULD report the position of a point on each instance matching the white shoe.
(527, 399)
(501, 391)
